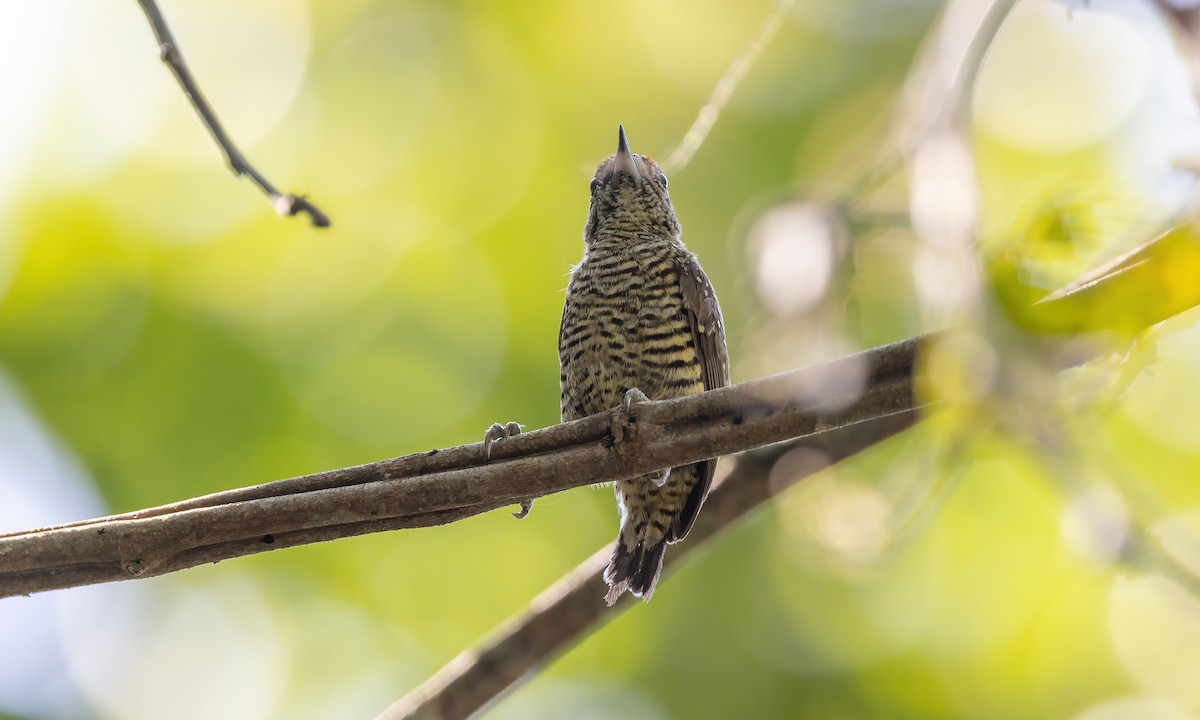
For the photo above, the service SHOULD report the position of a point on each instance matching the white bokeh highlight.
(133, 650)
(1137, 707)
(793, 250)
(187, 652)
(1059, 78)
(1154, 625)
(40, 484)
(944, 203)
(1095, 525)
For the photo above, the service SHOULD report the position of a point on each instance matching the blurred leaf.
(1150, 283)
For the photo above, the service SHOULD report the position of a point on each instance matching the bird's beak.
(623, 161)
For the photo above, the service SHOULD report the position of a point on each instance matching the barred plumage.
(640, 313)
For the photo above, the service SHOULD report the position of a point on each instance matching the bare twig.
(950, 103)
(575, 604)
(734, 74)
(285, 205)
(442, 486)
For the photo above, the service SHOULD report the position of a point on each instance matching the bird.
(640, 322)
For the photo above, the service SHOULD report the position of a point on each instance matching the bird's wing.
(708, 333)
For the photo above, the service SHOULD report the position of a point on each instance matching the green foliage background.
(175, 338)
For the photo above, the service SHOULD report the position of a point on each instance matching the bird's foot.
(633, 396)
(526, 507)
(502, 432)
(624, 425)
(498, 432)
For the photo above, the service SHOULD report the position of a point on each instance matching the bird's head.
(629, 199)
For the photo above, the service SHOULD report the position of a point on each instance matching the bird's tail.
(634, 568)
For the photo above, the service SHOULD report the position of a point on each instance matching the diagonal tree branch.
(286, 205)
(1124, 296)
(575, 604)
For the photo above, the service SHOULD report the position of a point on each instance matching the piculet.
(641, 320)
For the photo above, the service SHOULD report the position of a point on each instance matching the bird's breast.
(625, 325)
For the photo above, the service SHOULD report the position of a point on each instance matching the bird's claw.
(498, 432)
(633, 396)
(526, 506)
(503, 432)
(624, 426)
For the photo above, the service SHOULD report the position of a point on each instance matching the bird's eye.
(662, 180)
(595, 185)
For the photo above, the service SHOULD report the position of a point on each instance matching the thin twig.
(575, 604)
(951, 111)
(734, 74)
(285, 205)
(957, 103)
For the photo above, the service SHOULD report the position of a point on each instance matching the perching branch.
(285, 205)
(575, 604)
(443, 486)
